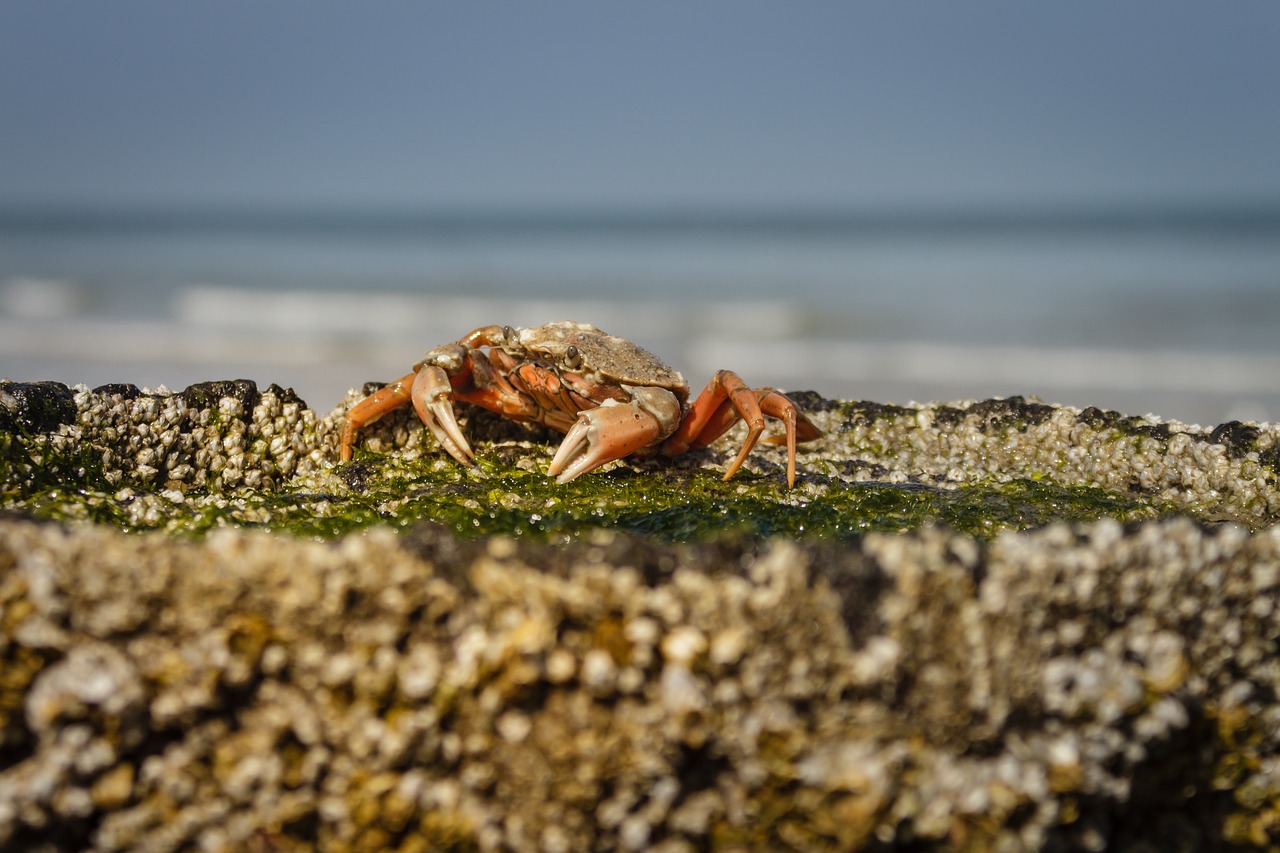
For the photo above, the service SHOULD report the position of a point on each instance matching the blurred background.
(884, 201)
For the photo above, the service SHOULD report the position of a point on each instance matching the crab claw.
(601, 435)
(431, 395)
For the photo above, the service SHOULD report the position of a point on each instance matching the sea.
(1166, 310)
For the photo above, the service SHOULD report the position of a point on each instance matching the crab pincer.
(433, 401)
(611, 431)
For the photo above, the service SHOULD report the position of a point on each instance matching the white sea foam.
(29, 297)
(448, 317)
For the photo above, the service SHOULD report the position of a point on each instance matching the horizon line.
(1235, 216)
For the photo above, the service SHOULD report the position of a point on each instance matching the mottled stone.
(1089, 686)
(1061, 688)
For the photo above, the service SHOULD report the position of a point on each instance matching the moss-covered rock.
(972, 625)
(225, 453)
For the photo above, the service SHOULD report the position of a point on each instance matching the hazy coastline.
(1163, 309)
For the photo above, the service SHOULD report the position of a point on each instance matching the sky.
(656, 104)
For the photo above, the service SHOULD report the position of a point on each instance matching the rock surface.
(1066, 686)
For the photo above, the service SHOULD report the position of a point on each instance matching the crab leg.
(387, 398)
(603, 434)
(772, 403)
(798, 427)
(725, 388)
(491, 390)
(431, 399)
(780, 406)
(485, 336)
(727, 398)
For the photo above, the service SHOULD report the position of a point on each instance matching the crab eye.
(508, 333)
(572, 358)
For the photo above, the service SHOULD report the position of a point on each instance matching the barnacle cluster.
(1066, 686)
(1105, 683)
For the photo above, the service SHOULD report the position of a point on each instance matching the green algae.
(683, 503)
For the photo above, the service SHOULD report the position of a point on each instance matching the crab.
(610, 398)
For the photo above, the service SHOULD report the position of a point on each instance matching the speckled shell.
(611, 357)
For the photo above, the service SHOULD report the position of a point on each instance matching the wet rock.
(1080, 686)
(204, 395)
(126, 391)
(35, 407)
(1235, 435)
(1057, 688)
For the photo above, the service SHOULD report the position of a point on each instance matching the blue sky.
(721, 104)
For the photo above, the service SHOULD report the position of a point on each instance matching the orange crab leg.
(726, 399)
(772, 403)
(490, 390)
(725, 387)
(798, 427)
(387, 398)
(485, 336)
(703, 409)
